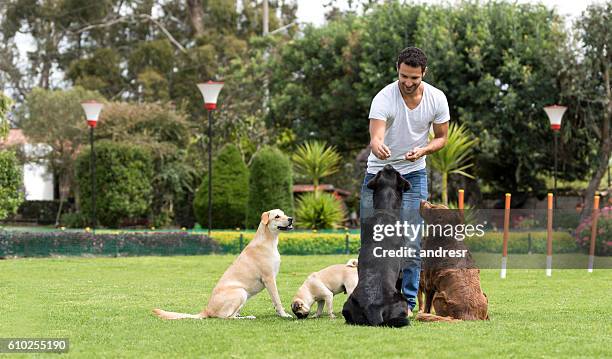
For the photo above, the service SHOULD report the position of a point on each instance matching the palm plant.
(315, 160)
(321, 211)
(455, 157)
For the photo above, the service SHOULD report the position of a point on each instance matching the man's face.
(409, 78)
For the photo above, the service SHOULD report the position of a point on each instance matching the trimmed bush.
(123, 183)
(169, 243)
(270, 185)
(300, 243)
(41, 212)
(74, 220)
(334, 243)
(319, 212)
(10, 184)
(37, 244)
(230, 186)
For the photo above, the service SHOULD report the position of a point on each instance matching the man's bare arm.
(377, 139)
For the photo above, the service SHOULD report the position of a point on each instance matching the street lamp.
(210, 91)
(555, 114)
(92, 112)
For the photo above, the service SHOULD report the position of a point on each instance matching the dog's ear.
(374, 181)
(424, 209)
(352, 263)
(403, 183)
(265, 218)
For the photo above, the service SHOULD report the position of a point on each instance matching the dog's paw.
(332, 316)
(284, 315)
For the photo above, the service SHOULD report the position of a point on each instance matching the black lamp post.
(92, 112)
(210, 91)
(555, 115)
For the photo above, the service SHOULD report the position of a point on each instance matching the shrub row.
(175, 243)
(41, 212)
(46, 244)
(334, 243)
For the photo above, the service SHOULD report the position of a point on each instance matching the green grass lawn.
(104, 306)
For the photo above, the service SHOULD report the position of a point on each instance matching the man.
(401, 115)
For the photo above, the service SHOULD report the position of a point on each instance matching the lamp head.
(92, 110)
(210, 92)
(555, 115)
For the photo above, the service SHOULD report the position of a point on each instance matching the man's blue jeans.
(411, 202)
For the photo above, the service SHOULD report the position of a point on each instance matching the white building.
(37, 180)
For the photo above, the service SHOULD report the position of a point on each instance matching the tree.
(5, 105)
(593, 93)
(124, 174)
(165, 133)
(55, 120)
(270, 184)
(11, 180)
(230, 191)
(315, 161)
(315, 90)
(498, 64)
(455, 157)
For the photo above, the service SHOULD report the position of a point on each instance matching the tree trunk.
(64, 190)
(196, 16)
(45, 73)
(604, 152)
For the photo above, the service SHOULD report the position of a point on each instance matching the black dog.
(376, 301)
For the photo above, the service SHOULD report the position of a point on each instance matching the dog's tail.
(172, 315)
(427, 317)
(352, 263)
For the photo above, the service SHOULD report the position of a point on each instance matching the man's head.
(411, 67)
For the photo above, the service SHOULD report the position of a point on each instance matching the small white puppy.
(321, 287)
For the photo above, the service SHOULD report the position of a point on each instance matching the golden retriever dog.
(255, 268)
(321, 287)
(450, 285)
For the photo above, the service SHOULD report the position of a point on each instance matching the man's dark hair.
(413, 57)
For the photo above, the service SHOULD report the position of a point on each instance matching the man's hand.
(415, 154)
(380, 150)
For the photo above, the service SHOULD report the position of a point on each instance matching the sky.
(312, 11)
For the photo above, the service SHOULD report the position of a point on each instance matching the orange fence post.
(506, 235)
(549, 235)
(461, 198)
(593, 233)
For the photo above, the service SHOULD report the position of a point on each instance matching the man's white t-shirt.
(406, 128)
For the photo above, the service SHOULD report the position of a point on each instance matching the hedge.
(44, 244)
(334, 243)
(172, 243)
(270, 185)
(10, 184)
(42, 212)
(230, 187)
(124, 174)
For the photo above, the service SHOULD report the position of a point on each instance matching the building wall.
(37, 180)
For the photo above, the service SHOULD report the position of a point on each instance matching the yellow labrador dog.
(255, 268)
(321, 287)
